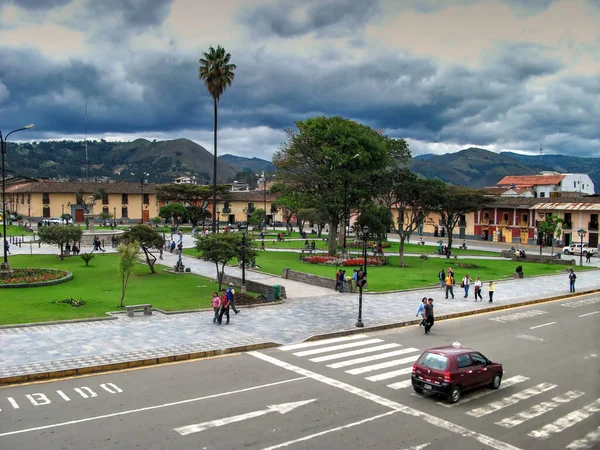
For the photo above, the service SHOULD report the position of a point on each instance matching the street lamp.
(581, 232)
(263, 180)
(362, 281)
(5, 268)
(115, 218)
(142, 177)
(243, 227)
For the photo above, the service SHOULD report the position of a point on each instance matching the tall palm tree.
(217, 73)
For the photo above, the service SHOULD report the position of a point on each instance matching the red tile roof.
(530, 180)
(88, 187)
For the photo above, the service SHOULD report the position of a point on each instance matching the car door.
(480, 367)
(465, 375)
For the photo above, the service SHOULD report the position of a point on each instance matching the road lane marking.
(538, 410)
(542, 325)
(482, 393)
(14, 404)
(111, 388)
(365, 359)
(316, 351)
(531, 338)
(148, 408)
(360, 351)
(86, 392)
(38, 399)
(589, 314)
(586, 441)
(385, 365)
(401, 384)
(353, 337)
(582, 302)
(432, 420)
(331, 430)
(63, 395)
(282, 408)
(511, 400)
(418, 447)
(567, 421)
(388, 375)
(518, 316)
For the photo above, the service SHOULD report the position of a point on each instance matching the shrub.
(87, 257)
(74, 302)
(466, 265)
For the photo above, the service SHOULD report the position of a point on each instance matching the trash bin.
(277, 291)
(270, 294)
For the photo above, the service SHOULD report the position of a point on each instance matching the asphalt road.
(351, 392)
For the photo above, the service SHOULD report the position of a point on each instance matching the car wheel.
(454, 395)
(566, 252)
(418, 390)
(495, 384)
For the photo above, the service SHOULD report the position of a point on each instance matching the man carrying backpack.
(231, 297)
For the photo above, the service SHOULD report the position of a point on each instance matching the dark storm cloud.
(284, 19)
(42, 5)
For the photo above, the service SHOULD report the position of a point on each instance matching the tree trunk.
(150, 263)
(62, 254)
(215, 172)
(319, 230)
(332, 237)
(401, 251)
(220, 275)
(449, 230)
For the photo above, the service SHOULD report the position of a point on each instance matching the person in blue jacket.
(421, 312)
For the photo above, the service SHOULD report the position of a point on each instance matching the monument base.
(5, 270)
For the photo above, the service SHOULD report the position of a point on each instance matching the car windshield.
(433, 361)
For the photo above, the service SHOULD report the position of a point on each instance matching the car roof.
(450, 350)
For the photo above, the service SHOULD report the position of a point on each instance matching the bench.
(147, 308)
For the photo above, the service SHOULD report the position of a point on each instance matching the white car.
(56, 221)
(575, 249)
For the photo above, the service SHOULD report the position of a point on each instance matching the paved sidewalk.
(47, 348)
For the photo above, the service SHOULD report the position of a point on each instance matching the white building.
(185, 180)
(577, 182)
(545, 185)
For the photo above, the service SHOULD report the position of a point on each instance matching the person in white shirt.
(466, 281)
(478, 287)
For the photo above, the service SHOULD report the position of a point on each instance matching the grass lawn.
(15, 230)
(99, 285)
(392, 277)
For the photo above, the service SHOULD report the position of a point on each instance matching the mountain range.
(166, 160)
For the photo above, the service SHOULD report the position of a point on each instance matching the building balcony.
(524, 224)
(593, 226)
(485, 221)
(462, 223)
(567, 225)
(503, 223)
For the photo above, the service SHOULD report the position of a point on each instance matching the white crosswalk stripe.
(483, 392)
(360, 351)
(388, 375)
(567, 421)
(333, 348)
(353, 337)
(586, 441)
(511, 400)
(365, 359)
(384, 365)
(401, 384)
(539, 409)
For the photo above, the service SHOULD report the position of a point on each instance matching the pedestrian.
(6, 246)
(491, 288)
(451, 273)
(442, 278)
(172, 245)
(354, 279)
(262, 245)
(588, 255)
(341, 280)
(224, 308)
(337, 280)
(465, 283)
(478, 287)
(572, 278)
(449, 285)
(306, 245)
(421, 311)
(231, 297)
(428, 309)
(216, 304)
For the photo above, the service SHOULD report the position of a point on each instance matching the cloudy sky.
(444, 74)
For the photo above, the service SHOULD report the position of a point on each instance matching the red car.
(453, 370)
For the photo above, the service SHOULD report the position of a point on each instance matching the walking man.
(442, 278)
(572, 278)
(466, 282)
(449, 285)
(428, 315)
(231, 297)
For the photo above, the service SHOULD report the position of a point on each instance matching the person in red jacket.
(224, 307)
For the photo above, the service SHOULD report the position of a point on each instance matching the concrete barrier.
(252, 286)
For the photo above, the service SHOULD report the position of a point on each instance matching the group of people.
(447, 282)
(222, 304)
(310, 245)
(426, 312)
(74, 249)
(98, 244)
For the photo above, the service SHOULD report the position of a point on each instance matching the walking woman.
(478, 287)
(216, 304)
(421, 311)
(491, 288)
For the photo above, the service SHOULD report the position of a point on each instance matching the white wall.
(578, 182)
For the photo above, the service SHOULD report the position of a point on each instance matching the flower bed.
(35, 277)
(336, 261)
(370, 245)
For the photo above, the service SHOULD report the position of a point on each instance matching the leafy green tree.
(217, 73)
(220, 248)
(257, 217)
(455, 203)
(105, 216)
(155, 220)
(316, 216)
(172, 211)
(196, 214)
(147, 239)
(334, 162)
(60, 235)
(128, 253)
(377, 218)
(549, 228)
(66, 218)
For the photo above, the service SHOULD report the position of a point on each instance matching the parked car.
(452, 370)
(575, 249)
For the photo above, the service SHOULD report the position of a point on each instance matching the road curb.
(407, 323)
(56, 374)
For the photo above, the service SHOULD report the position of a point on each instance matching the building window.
(46, 198)
(46, 211)
(105, 199)
(250, 208)
(146, 199)
(105, 210)
(124, 199)
(28, 199)
(524, 218)
(124, 212)
(22, 199)
(542, 194)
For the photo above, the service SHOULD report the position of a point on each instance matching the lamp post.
(5, 268)
(581, 232)
(263, 180)
(141, 177)
(115, 217)
(243, 227)
(359, 322)
(218, 219)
